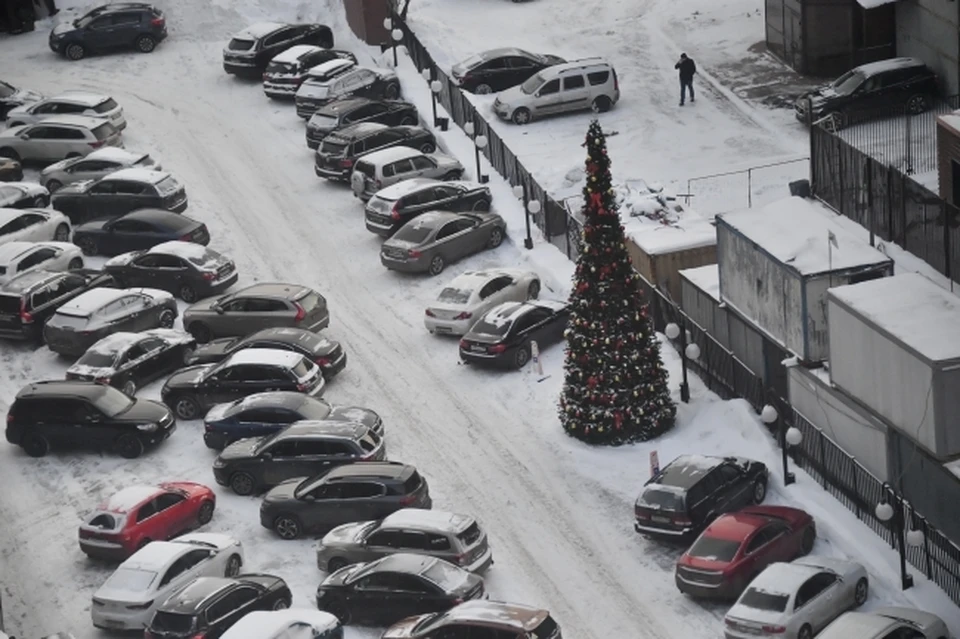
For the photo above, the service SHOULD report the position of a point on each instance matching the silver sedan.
(465, 299)
(427, 243)
(94, 166)
(797, 600)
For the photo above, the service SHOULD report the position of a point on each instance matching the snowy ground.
(559, 514)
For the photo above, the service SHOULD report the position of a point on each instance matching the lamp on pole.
(397, 35)
(791, 436)
(890, 511)
(520, 192)
(688, 351)
(479, 142)
(435, 89)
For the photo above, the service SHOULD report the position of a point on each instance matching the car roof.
(405, 562)
(19, 283)
(577, 65)
(325, 428)
(80, 97)
(91, 300)
(85, 121)
(402, 189)
(116, 342)
(325, 68)
(267, 624)
(268, 356)
(506, 313)
(192, 597)
(273, 289)
(129, 498)
(499, 613)
(419, 519)
(860, 624)
(258, 30)
(345, 105)
(391, 154)
(392, 470)
(499, 52)
(889, 64)
(288, 334)
(433, 219)
(154, 215)
(736, 526)
(286, 399)
(295, 52)
(61, 387)
(8, 214)
(12, 250)
(121, 6)
(115, 154)
(157, 555)
(471, 279)
(686, 470)
(783, 578)
(137, 175)
(358, 130)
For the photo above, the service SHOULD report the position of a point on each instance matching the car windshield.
(760, 600)
(662, 498)
(447, 576)
(104, 131)
(333, 148)
(848, 82)
(484, 327)
(112, 402)
(304, 369)
(239, 44)
(473, 61)
(308, 485)
(96, 359)
(429, 622)
(454, 296)
(532, 84)
(713, 549)
(6, 90)
(413, 233)
(312, 409)
(308, 301)
(172, 622)
(130, 580)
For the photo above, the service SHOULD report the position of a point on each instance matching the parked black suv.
(249, 52)
(872, 91)
(693, 490)
(337, 153)
(29, 300)
(208, 606)
(118, 25)
(287, 70)
(119, 193)
(396, 205)
(499, 69)
(75, 414)
(343, 113)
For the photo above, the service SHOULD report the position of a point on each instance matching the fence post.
(926, 547)
(947, 258)
(908, 135)
(856, 491)
(840, 173)
(750, 188)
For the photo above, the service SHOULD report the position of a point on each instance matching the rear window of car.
(303, 369)
(413, 482)
(131, 579)
(484, 327)
(281, 67)
(598, 77)
(454, 296)
(104, 131)
(107, 105)
(310, 301)
(70, 321)
(97, 360)
(145, 160)
(546, 629)
(759, 600)
(167, 186)
(369, 442)
(365, 168)
(238, 44)
(714, 549)
(448, 577)
(663, 499)
(470, 535)
(105, 521)
(172, 622)
(333, 148)
(413, 233)
(9, 304)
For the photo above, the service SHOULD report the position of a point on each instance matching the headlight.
(147, 428)
(219, 463)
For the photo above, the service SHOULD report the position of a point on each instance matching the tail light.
(9, 418)
(616, 81)
(640, 513)
(143, 606)
(25, 316)
(303, 388)
(301, 313)
(497, 348)
(394, 213)
(185, 238)
(457, 601)
(464, 344)
(207, 427)
(466, 78)
(409, 499)
(96, 144)
(157, 22)
(774, 630)
(682, 520)
(199, 635)
(209, 276)
(102, 380)
(264, 77)
(461, 558)
(378, 183)
(463, 315)
(322, 361)
(413, 254)
(430, 313)
(346, 164)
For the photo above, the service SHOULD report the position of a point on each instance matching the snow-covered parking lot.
(559, 514)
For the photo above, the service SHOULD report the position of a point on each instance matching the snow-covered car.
(380, 169)
(286, 70)
(33, 225)
(887, 623)
(129, 361)
(315, 89)
(58, 137)
(12, 97)
(797, 600)
(17, 258)
(70, 102)
(189, 270)
(94, 166)
(21, 195)
(292, 623)
(128, 599)
(465, 299)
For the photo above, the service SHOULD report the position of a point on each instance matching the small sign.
(535, 353)
(654, 463)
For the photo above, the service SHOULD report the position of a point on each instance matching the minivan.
(380, 169)
(590, 83)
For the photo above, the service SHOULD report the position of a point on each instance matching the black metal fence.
(884, 200)
(553, 221)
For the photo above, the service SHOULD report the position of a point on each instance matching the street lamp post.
(520, 192)
(890, 511)
(435, 89)
(791, 436)
(479, 142)
(688, 351)
(397, 37)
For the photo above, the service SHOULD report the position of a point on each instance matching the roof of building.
(705, 278)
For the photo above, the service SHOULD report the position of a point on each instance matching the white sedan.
(128, 599)
(464, 300)
(17, 258)
(292, 623)
(33, 225)
(20, 195)
(797, 600)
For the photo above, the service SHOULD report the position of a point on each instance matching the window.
(283, 449)
(767, 601)
(174, 571)
(47, 108)
(598, 77)
(36, 258)
(378, 581)
(385, 538)
(339, 449)
(170, 262)
(168, 500)
(101, 23)
(47, 294)
(72, 109)
(146, 511)
(759, 541)
(361, 490)
(261, 305)
(412, 540)
(365, 77)
(124, 187)
(130, 226)
(312, 448)
(443, 192)
(814, 586)
(904, 632)
(517, 62)
(397, 168)
(409, 583)
(710, 483)
(497, 64)
(466, 224)
(13, 225)
(494, 285)
(278, 37)
(147, 261)
(152, 344)
(572, 82)
(422, 163)
(729, 473)
(236, 306)
(448, 229)
(714, 549)
(363, 112)
(105, 187)
(264, 416)
(38, 133)
(437, 542)
(135, 352)
(551, 87)
(31, 219)
(126, 19)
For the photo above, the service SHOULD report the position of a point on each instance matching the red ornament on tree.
(591, 382)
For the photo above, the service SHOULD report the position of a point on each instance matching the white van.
(590, 83)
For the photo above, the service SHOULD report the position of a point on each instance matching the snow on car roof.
(431, 219)
(155, 293)
(88, 302)
(258, 30)
(872, 68)
(783, 578)
(505, 313)
(12, 250)
(115, 343)
(115, 154)
(265, 624)
(392, 154)
(157, 555)
(326, 428)
(325, 68)
(706, 278)
(553, 305)
(270, 356)
(7, 215)
(178, 248)
(85, 121)
(129, 498)
(401, 189)
(81, 97)
(419, 519)
(293, 53)
(272, 398)
(515, 616)
(138, 175)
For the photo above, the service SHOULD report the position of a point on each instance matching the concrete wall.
(927, 29)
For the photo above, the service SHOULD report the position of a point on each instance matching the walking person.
(687, 68)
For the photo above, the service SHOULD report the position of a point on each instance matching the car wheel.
(496, 238)
(428, 147)
(39, 202)
(805, 632)
(861, 591)
(88, 246)
(13, 124)
(759, 490)
(70, 156)
(340, 611)
(521, 116)
(74, 52)
(76, 264)
(917, 104)
(166, 318)
(129, 446)
(54, 185)
(145, 44)
(7, 152)
(205, 514)
(436, 265)
(483, 89)
(186, 407)
(200, 332)
(281, 604)
(533, 291)
(35, 445)
(391, 91)
(807, 541)
(129, 388)
(521, 357)
(453, 175)
(242, 484)
(62, 234)
(233, 566)
(287, 527)
(336, 564)
(408, 120)
(481, 205)
(187, 294)
(601, 104)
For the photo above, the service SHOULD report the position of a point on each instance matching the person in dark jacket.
(687, 68)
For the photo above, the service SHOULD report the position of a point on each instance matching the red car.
(736, 547)
(135, 516)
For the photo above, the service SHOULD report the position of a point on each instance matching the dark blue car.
(266, 413)
(118, 25)
(138, 231)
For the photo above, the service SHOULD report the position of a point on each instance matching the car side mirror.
(266, 456)
(219, 310)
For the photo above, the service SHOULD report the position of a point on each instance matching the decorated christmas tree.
(615, 388)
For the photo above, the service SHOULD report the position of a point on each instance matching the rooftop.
(655, 238)
(329, 67)
(186, 250)
(293, 53)
(911, 309)
(115, 154)
(891, 63)
(706, 278)
(269, 356)
(137, 175)
(370, 469)
(272, 289)
(85, 121)
(419, 519)
(156, 555)
(793, 232)
(783, 578)
(116, 342)
(264, 624)
(325, 428)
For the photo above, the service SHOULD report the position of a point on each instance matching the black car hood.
(241, 449)
(93, 225)
(213, 351)
(354, 414)
(338, 578)
(144, 411)
(187, 377)
(284, 492)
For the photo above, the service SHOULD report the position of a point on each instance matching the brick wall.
(948, 151)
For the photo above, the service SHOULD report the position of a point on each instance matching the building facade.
(928, 29)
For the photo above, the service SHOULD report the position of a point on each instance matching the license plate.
(478, 349)
(110, 623)
(660, 519)
(442, 329)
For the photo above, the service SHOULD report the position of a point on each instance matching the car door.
(574, 94)
(417, 596)
(383, 140)
(446, 198)
(520, 69)
(548, 98)
(235, 605)
(398, 171)
(142, 271)
(495, 73)
(131, 364)
(176, 576)
(266, 312)
(280, 462)
(36, 227)
(736, 490)
(173, 516)
(160, 356)
(817, 601)
(276, 43)
(140, 309)
(361, 114)
(230, 383)
(130, 196)
(363, 500)
(424, 167)
(363, 83)
(172, 272)
(128, 235)
(59, 421)
(126, 27)
(36, 259)
(14, 230)
(102, 33)
(469, 235)
(445, 242)
(384, 542)
(494, 292)
(372, 598)
(38, 143)
(90, 169)
(99, 200)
